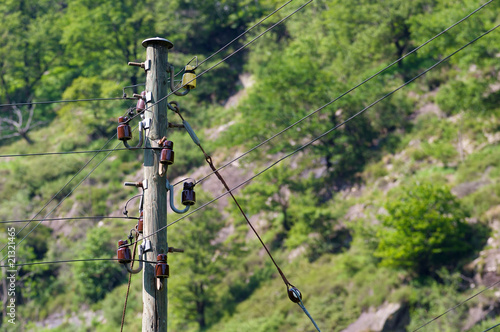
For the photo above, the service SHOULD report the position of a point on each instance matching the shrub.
(425, 229)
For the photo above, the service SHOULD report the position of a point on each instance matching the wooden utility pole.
(154, 316)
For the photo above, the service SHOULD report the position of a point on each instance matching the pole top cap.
(162, 41)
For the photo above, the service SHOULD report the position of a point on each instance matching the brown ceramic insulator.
(141, 104)
(167, 154)
(140, 224)
(124, 132)
(162, 269)
(123, 253)
(188, 195)
(167, 157)
(168, 145)
(292, 296)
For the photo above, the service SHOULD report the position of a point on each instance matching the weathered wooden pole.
(154, 316)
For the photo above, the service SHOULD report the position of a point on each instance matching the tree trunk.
(24, 135)
(200, 309)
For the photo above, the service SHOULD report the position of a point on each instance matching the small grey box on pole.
(154, 317)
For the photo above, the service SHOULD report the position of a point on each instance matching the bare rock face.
(391, 317)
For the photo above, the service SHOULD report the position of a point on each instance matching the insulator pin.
(123, 253)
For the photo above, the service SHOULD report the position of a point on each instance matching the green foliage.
(94, 279)
(425, 229)
(79, 49)
(197, 271)
(86, 119)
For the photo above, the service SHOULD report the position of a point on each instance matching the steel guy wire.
(458, 305)
(345, 93)
(66, 218)
(227, 57)
(329, 131)
(71, 261)
(303, 307)
(64, 101)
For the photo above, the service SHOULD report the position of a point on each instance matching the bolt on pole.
(154, 317)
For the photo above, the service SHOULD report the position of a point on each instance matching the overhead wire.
(135, 85)
(491, 328)
(66, 218)
(63, 187)
(128, 284)
(456, 306)
(227, 57)
(74, 152)
(70, 261)
(72, 190)
(308, 144)
(291, 289)
(345, 93)
(245, 32)
(204, 72)
(328, 131)
(63, 101)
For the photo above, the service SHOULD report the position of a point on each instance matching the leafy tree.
(30, 51)
(197, 271)
(425, 229)
(94, 279)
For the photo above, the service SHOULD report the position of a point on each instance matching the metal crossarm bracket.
(146, 245)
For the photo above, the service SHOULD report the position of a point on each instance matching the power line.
(125, 98)
(74, 152)
(491, 328)
(246, 31)
(229, 56)
(332, 129)
(72, 261)
(66, 218)
(64, 101)
(53, 197)
(72, 190)
(458, 305)
(345, 93)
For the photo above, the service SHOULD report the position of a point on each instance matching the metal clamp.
(139, 269)
(141, 139)
(146, 123)
(172, 204)
(172, 84)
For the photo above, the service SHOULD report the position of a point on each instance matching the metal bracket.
(145, 184)
(149, 96)
(147, 65)
(146, 123)
(146, 245)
